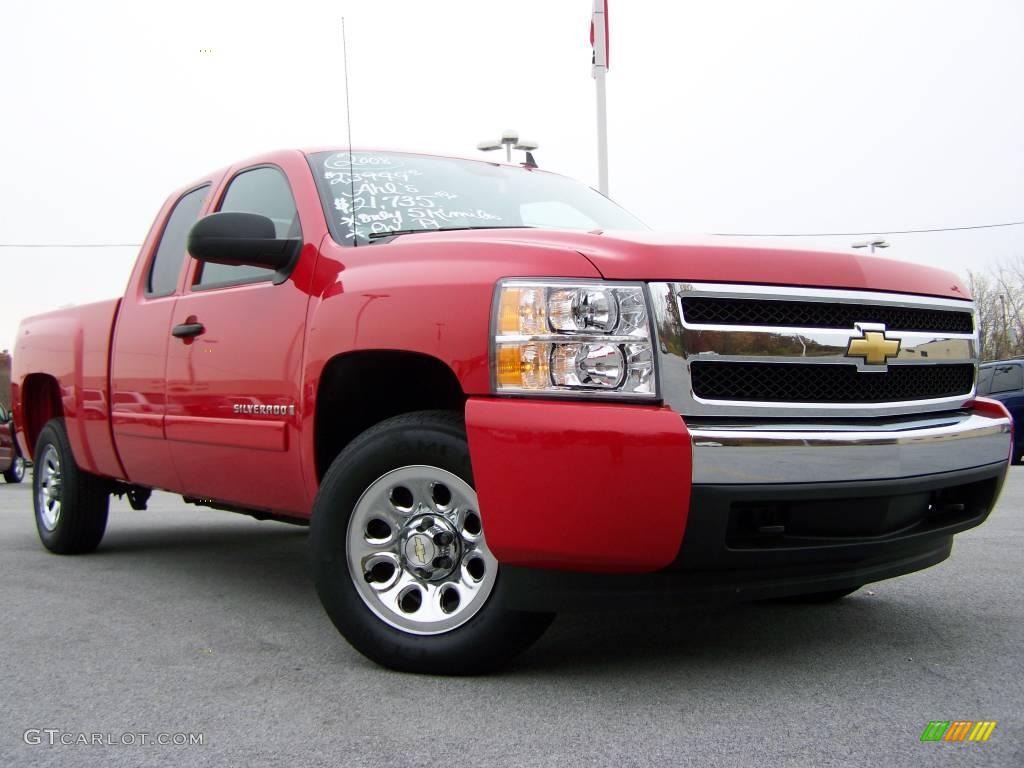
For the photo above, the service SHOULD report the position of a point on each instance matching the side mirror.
(236, 239)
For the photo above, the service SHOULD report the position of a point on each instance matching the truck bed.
(69, 349)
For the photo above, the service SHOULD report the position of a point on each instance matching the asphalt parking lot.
(201, 622)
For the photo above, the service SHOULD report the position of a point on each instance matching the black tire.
(77, 523)
(819, 598)
(17, 471)
(490, 638)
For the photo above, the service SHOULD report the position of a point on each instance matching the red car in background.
(12, 463)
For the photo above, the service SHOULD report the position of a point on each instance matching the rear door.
(139, 352)
(233, 389)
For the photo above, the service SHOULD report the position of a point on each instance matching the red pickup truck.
(493, 395)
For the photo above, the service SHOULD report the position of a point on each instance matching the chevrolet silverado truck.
(495, 395)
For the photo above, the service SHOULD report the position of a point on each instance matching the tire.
(819, 598)
(70, 505)
(399, 556)
(17, 471)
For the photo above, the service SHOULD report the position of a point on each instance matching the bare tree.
(999, 297)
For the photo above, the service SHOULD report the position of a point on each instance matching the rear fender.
(61, 367)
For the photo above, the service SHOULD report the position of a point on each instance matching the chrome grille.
(741, 350)
(788, 382)
(815, 314)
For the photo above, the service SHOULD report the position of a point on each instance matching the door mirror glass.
(241, 239)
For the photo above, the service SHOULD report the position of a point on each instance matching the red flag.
(593, 19)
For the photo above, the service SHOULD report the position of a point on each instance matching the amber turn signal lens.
(509, 374)
(524, 366)
(508, 311)
(521, 312)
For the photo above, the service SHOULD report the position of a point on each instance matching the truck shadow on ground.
(268, 563)
(213, 536)
(724, 635)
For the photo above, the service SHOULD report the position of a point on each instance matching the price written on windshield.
(376, 198)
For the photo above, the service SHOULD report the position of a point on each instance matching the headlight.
(586, 338)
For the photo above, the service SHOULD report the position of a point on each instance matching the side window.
(984, 380)
(170, 254)
(1007, 378)
(264, 191)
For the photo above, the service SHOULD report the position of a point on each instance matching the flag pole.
(600, 34)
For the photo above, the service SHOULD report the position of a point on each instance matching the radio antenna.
(348, 130)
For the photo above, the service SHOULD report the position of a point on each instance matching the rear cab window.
(165, 268)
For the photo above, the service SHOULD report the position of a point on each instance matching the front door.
(234, 369)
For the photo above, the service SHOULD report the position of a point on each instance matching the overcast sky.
(767, 117)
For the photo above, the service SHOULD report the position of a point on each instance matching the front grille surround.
(711, 364)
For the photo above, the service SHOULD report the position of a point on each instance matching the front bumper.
(620, 489)
(843, 451)
(764, 542)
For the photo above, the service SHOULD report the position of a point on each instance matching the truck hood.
(642, 255)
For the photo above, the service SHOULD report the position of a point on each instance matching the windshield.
(368, 194)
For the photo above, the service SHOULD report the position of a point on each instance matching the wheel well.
(360, 389)
(40, 402)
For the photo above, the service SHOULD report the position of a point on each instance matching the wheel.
(400, 558)
(71, 505)
(17, 471)
(813, 598)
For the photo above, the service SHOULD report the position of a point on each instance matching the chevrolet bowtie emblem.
(874, 347)
(421, 551)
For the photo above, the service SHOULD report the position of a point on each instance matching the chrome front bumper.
(823, 452)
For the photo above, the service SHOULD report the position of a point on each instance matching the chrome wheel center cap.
(419, 550)
(430, 547)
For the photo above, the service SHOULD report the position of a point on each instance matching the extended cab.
(495, 395)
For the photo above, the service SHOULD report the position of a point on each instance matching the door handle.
(187, 330)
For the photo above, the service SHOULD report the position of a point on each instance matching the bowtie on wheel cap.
(430, 547)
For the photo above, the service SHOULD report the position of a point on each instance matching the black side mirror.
(236, 238)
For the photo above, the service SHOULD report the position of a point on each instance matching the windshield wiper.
(379, 235)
